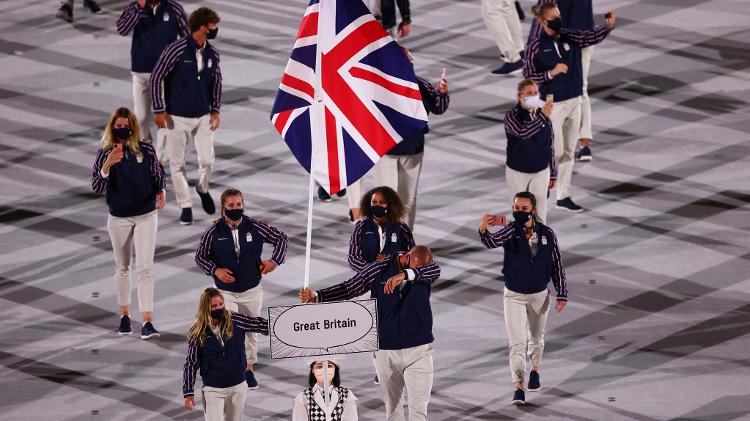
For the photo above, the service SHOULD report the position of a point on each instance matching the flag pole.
(314, 122)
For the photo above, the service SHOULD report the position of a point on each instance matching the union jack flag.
(348, 94)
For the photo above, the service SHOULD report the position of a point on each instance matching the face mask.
(532, 102)
(122, 133)
(318, 372)
(379, 211)
(521, 217)
(212, 33)
(555, 24)
(234, 214)
(217, 314)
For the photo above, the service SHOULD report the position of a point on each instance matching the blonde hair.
(197, 331)
(108, 139)
(525, 83)
(540, 9)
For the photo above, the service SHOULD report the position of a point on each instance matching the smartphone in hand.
(442, 76)
(499, 220)
(607, 15)
(550, 98)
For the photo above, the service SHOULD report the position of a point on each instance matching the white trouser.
(410, 367)
(127, 234)
(354, 194)
(248, 302)
(585, 103)
(142, 103)
(566, 123)
(525, 317)
(224, 403)
(199, 129)
(537, 183)
(401, 173)
(501, 19)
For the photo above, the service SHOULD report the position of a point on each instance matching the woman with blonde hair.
(127, 171)
(216, 346)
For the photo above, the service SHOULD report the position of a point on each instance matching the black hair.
(396, 208)
(202, 16)
(336, 381)
(526, 195)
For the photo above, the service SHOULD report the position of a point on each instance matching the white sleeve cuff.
(410, 274)
(103, 174)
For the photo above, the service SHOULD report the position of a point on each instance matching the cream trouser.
(525, 317)
(177, 140)
(410, 368)
(248, 302)
(585, 103)
(128, 234)
(537, 183)
(501, 19)
(144, 115)
(401, 173)
(354, 193)
(566, 123)
(225, 403)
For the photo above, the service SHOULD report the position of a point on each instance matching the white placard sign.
(306, 330)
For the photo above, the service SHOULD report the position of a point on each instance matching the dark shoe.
(250, 379)
(323, 195)
(568, 205)
(186, 218)
(519, 10)
(148, 331)
(377, 381)
(519, 398)
(125, 328)
(341, 193)
(65, 12)
(534, 383)
(207, 202)
(508, 68)
(584, 154)
(351, 216)
(92, 5)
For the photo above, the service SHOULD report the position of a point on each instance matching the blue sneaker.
(508, 68)
(186, 217)
(584, 154)
(519, 398)
(148, 331)
(125, 328)
(534, 383)
(250, 379)
(568, 205)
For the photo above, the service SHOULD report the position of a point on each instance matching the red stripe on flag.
(281, 120)
(333, 153)
(298, 84)
(309, 26)
(375, 78)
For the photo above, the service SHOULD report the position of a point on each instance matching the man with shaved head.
(401, 284)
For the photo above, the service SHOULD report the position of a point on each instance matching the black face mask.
(379, 211)
(234, 214)
(212, 33)
(522, 217)
(217, 314)
(122, 133)
(555, 24)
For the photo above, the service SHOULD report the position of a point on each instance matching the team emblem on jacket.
(566, 46)
(394, 238)
(248, 237)
(166, 17)
(210, 63)
(139, 158)
(544, 240)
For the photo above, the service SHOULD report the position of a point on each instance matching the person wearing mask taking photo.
(127, 171)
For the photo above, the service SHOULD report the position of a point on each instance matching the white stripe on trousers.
(200, 131)
(410, 368)
(401, 173)
(248, 302)
(537, 183)
(586, 132)
(127, 234)
(566, 123)
(525, 318)
(224, 403)
(502, 20)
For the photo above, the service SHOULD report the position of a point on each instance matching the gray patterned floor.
(658, 266)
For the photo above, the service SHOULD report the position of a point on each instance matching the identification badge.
(566, 46)
(544, 240)
(139, 158)
(210, 63)
(394, 238)
(166, 17)
(248, 237)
